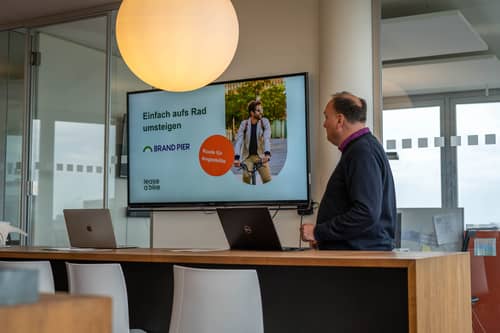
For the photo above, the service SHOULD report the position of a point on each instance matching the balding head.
(352, 107)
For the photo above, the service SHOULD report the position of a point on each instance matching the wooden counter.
(433, 288)
(58, 313)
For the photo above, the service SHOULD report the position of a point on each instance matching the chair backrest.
(104, 280)
(216, 300)
(45, 277)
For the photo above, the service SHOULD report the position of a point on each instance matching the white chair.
(216, 300)
(45, 277)
(104, 280)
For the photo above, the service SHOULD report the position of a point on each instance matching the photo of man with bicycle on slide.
(256, 124)
(253, 145)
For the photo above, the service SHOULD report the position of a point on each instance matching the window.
(478, 161)
(411, 133)
(441, 63)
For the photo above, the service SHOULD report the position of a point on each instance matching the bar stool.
(104, 280)
(216, 300)
(45, 277)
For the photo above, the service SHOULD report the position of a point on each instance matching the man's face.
(332, 124)
(258, 112)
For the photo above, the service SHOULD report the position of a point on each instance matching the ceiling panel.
(428, 35)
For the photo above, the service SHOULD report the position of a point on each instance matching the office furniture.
(58, 313)
(432, 229)
(104, 280)
(45, 278)
(351, 291)
(18, 286)
(216, 300)
(483, 246)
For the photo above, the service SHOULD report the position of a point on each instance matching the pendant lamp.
(177, 45)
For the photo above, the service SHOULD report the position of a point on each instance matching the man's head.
(344, 115)
(255, 109)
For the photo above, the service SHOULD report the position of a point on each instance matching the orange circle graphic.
(216, 155)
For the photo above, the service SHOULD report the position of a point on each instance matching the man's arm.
(364, 183)
(267, 138)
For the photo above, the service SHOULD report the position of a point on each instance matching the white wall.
(330, 39)
(276, 37)
(128, 230)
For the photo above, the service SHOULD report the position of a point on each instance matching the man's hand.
(237, 163)
(307, 232)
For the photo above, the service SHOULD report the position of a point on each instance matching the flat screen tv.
(182, 146)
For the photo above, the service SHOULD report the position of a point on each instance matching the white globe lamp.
(177, 45)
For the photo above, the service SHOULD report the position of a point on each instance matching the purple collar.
(353, 137)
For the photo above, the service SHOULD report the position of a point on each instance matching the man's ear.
(340, 119)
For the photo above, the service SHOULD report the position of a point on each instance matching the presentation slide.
(227, 143)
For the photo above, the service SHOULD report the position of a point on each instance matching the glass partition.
(12, 51)
(67, 150)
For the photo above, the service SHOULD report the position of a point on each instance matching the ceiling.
(447, 62)
(17, 11)
(482, 14)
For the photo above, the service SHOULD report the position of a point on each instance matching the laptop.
(251, 229)
(90, 228)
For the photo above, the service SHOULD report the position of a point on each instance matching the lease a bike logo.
(147, 149)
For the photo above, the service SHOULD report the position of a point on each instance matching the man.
(358, 209)
(253, 143)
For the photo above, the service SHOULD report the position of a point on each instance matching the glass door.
(67, 140)
(12, 54)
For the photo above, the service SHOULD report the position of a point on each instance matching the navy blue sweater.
(358, 209)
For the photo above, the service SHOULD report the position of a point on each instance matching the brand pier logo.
(167, 147)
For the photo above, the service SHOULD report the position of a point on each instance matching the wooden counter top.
(437, 284)
(58, 313)
(301, 258)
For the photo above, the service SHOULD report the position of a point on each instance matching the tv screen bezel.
(204, 205)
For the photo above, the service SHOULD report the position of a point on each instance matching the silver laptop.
(251, 229)
(90, 228)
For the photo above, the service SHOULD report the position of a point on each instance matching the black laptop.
(251, 229)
